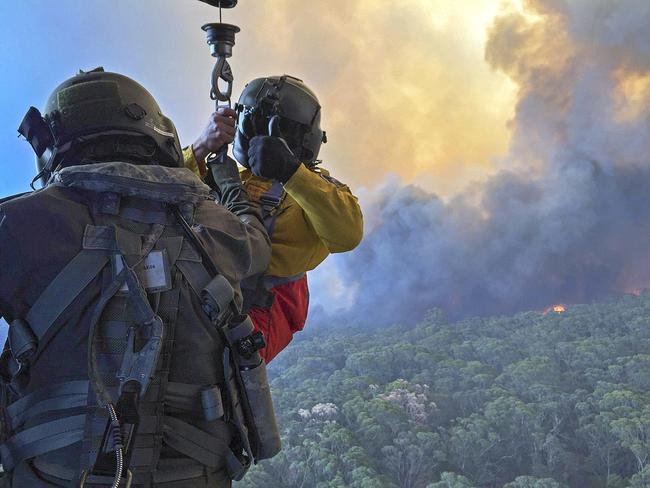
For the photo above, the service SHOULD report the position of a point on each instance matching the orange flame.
(559, 308)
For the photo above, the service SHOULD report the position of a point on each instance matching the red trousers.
(286, 316)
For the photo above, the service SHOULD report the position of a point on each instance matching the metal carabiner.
(222, 71)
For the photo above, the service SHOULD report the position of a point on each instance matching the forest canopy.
(536, 400)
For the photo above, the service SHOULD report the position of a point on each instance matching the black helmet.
(105, 113)
(298, 110)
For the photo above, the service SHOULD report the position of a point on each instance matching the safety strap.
(30, 336)
(59, 396)
(270, 202)
(173, 470)
(255, 289)
(273, 281)
(195, 274)
(255, 294)
(177, 470)
(195, 443)
(203, 447)
(41, 439)
(62, 291)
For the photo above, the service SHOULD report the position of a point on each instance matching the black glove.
(270, 156)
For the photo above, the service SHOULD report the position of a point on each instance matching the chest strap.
(41, 439)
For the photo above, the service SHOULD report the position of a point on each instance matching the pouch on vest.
(245, 371)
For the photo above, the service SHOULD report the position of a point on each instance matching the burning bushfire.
(559, 308)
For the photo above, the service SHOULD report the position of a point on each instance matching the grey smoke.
(567, 217)
(566, 220)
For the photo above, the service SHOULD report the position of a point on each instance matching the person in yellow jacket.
(308, 213)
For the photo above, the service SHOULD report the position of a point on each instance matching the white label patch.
(153, 272)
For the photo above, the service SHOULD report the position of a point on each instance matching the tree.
(531, 482)
(452, 480)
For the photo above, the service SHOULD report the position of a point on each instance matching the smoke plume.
(567, 217)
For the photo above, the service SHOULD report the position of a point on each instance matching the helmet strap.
(45, 174)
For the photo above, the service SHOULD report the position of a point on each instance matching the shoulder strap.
(27, 337)
(253, 289)
(63, 289)
(270, 202)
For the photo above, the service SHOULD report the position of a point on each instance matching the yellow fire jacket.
(317, 216)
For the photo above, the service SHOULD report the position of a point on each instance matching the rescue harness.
(257, 289)
(127, 409)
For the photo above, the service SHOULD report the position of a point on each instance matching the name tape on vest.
(153, 272)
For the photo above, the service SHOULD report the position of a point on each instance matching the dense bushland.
(534, 400)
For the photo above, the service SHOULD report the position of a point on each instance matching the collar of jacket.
(150, 182)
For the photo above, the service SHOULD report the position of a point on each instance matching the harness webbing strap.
(194, 442)
(195, 274)
(67, 388)
(58, 397)
(63, 290)
(273, 281)
(270, 202)
(176, 471)
(255, 289)
(256, 295)
(147, 216)
(41, 439)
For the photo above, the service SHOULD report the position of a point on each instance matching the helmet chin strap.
(46, 172)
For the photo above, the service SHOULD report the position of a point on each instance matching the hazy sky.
(404, 84)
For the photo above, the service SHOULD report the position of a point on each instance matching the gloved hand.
(270, 156)
(219, 132)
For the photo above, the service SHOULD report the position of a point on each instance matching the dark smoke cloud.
(566, 220)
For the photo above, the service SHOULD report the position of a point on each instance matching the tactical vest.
(256, 289)
(171, 381)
